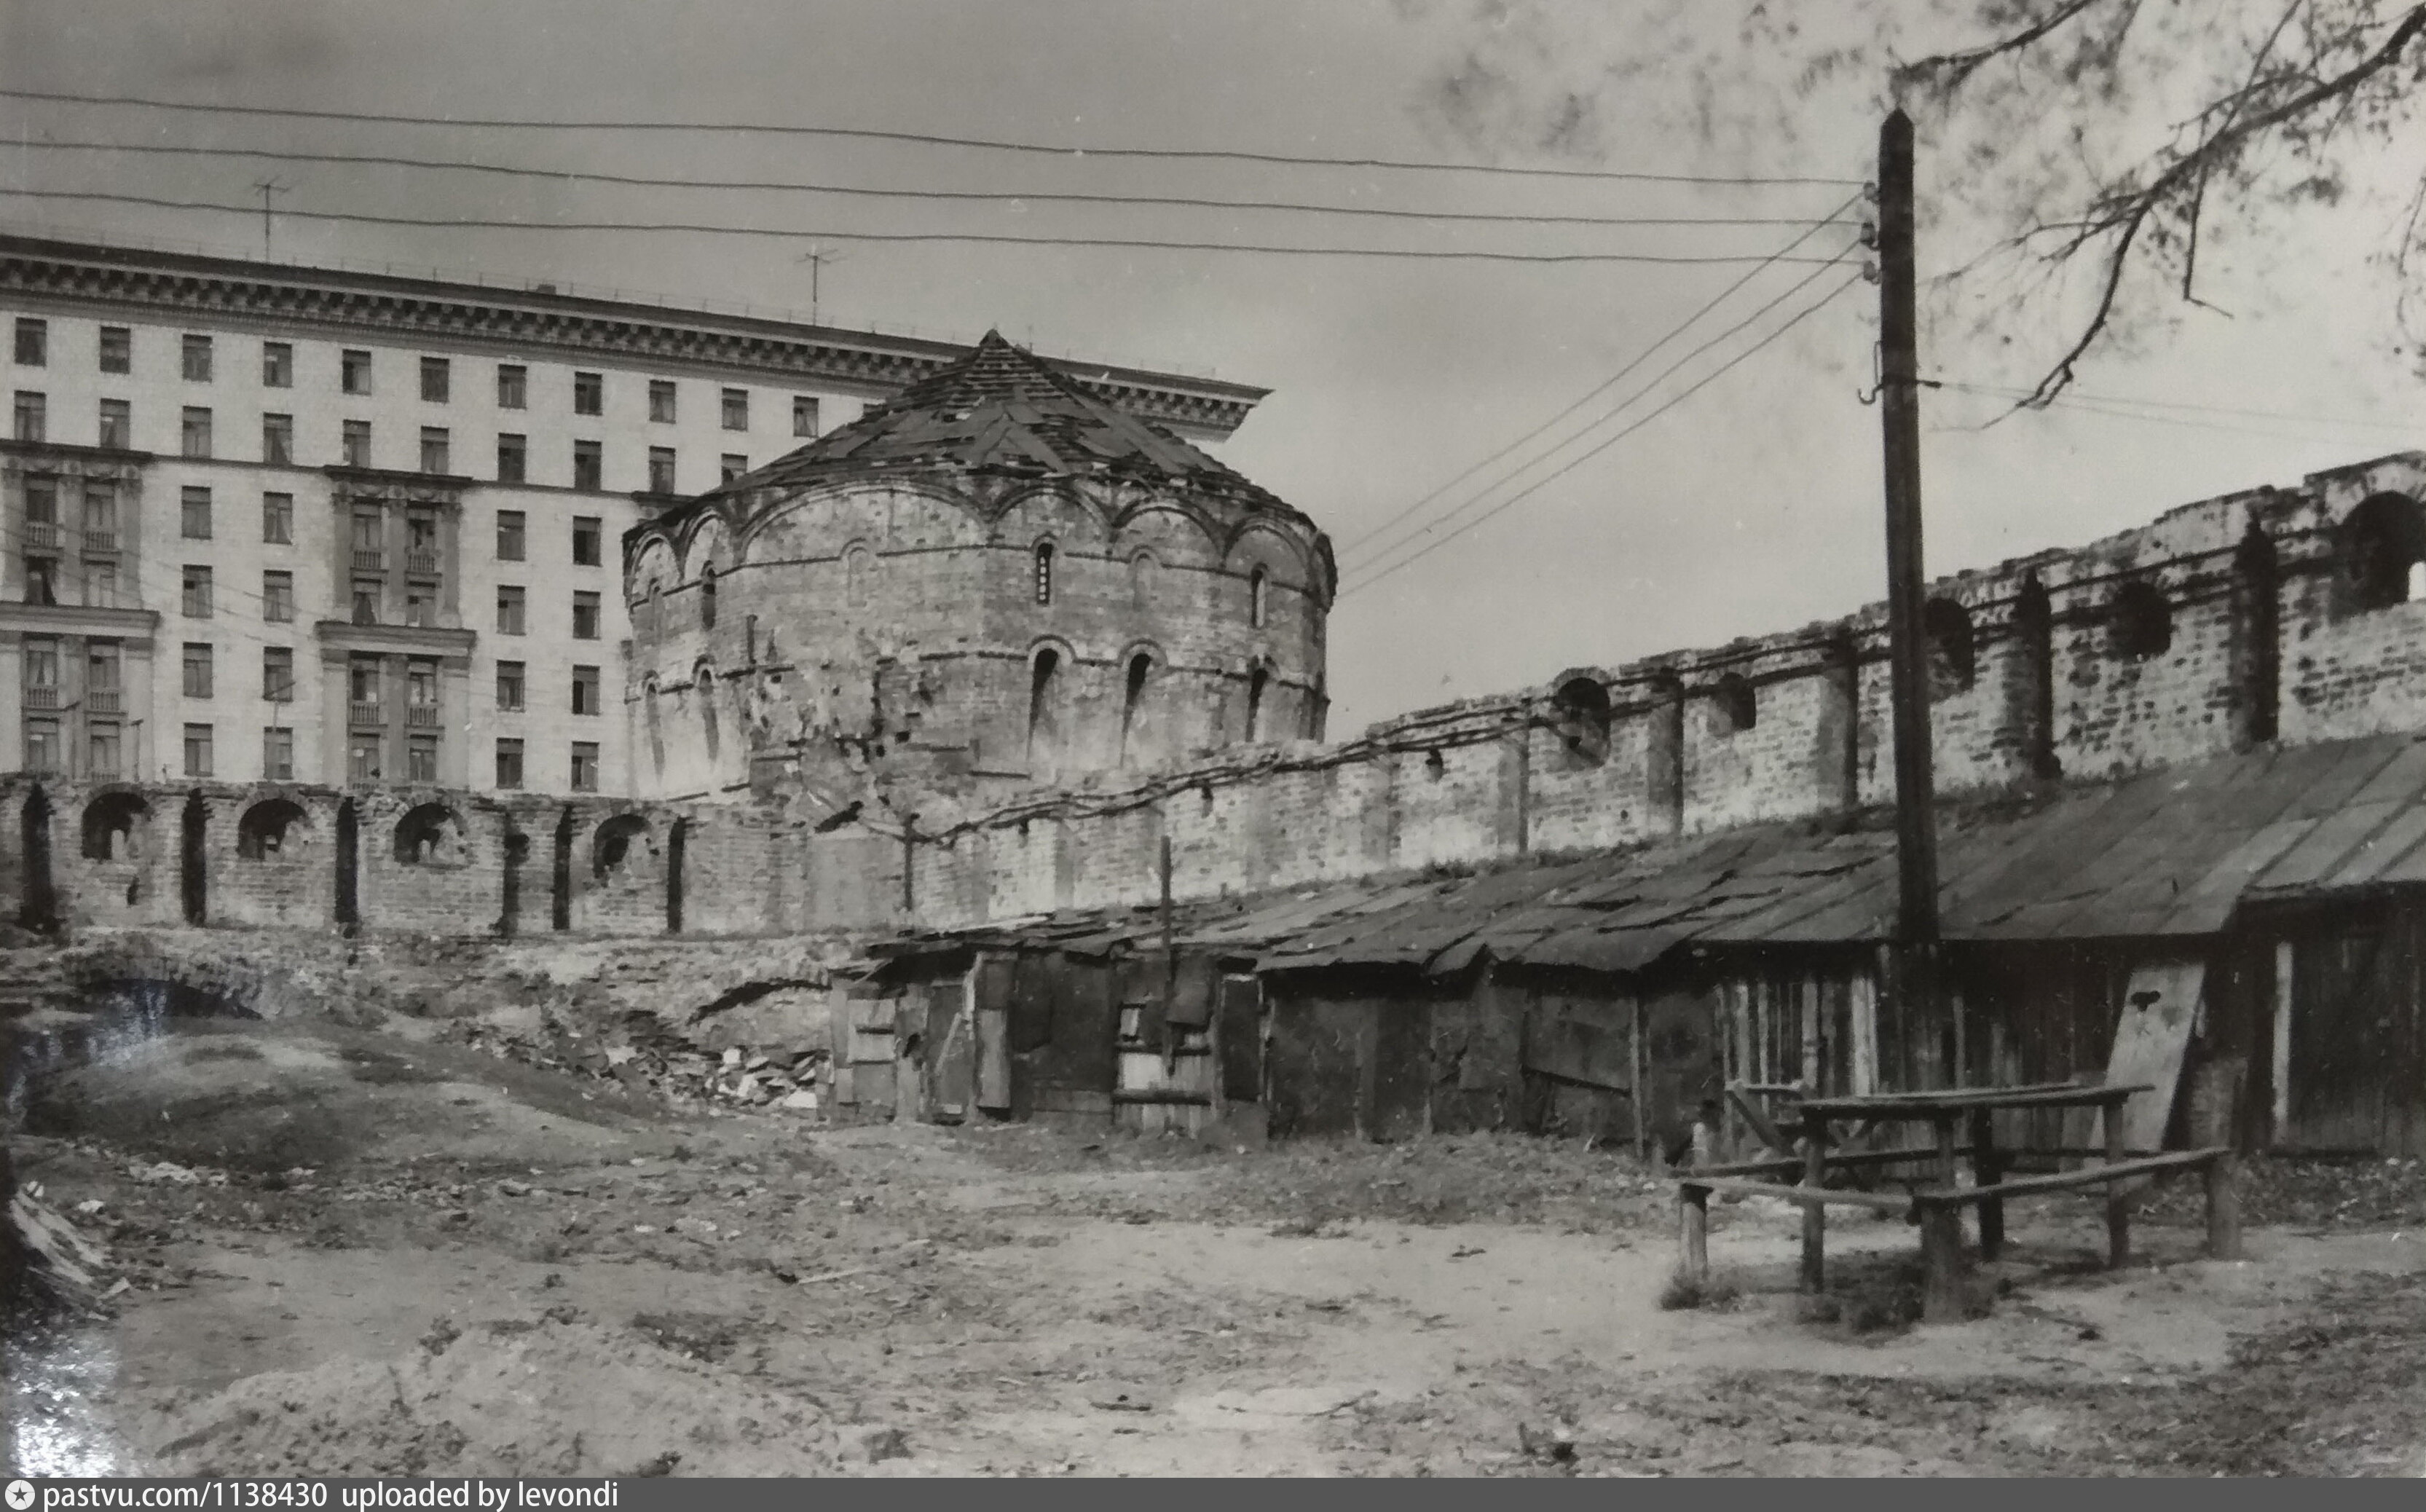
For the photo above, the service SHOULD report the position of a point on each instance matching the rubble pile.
(645, 1055)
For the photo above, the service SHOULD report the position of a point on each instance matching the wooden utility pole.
(1170, 966)
(1915, 957)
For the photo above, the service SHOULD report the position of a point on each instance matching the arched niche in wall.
(1049, 671)
(271, 829)
(859, 570)
(2383, 550)
(703, 687)
(1954, 658)
(1581, 708)
(653, 718)
(1145, 580)
(1260, 691)
(617, 845)
(114, 824)
(2257, 633)
(2140, 621)
(430, 835)
(1735, 705)
(2034, 627)
(654, 570)
(1137, 676)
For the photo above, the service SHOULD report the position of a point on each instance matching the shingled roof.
(1002, 412)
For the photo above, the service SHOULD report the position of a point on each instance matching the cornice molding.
(205, 288)
(79, 619)
(405, 639)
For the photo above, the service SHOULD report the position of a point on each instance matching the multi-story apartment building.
(295, 525)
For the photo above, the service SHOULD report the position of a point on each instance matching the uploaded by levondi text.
(239, 1495)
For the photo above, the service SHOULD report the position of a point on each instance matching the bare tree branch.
(1950, 69)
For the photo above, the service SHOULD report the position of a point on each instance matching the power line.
(974, 196)
(1601, 419)
(929, 139)
(1992, 390)
(1602, 388)
(476, 224)
(1805, 313)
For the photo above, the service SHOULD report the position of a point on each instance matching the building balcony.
(364, 715)
(421, 716)
(100, 540)
(104, 701)
(370, 560)
(423, 563)
(42, 533)
(41, 698)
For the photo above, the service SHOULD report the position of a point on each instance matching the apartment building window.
(363, 688)
(588, 393)
(32, 415)
(358, 443)
(661, 401)
(586, 531)
(436, 378)
(116, 349)
(737, 409)
(197, 351)
(733, 464)
(33, 347)
(363, 759)
(101, 748)
(42, 510)
(514, 386)
(804, 414)
(41, 581)
(278, 755)
(277, 365)
(278, 519)
(117, 423)
(278, 673)
(585, 616)
(100, 585)
(421, 689)
(585, 765)
(198, 750)
(510, 764)
(197, 669)
(42, 745)
(41, 661)
(588, 465)
(366, 600)
(509, 535)
(434, 448)
(585, 690)
(100, 515)
(421, 542)
(370, 553)
(512, 450)
(421, 759)
(277, 439)
(661, 469)
(420, 605)
(510, 610)
(278, 597)
(509, 685)
(101, 662)
(194, 513)
(194, 432)
(355, 372)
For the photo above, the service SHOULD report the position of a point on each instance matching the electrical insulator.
(1870, 191)
(1869, 271)
(1870, 234)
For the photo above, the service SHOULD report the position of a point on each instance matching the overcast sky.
(1754, 506)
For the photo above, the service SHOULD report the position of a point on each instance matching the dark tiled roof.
(1002, 410)
(2168, 852)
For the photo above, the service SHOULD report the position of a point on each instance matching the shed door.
(2349, 1003)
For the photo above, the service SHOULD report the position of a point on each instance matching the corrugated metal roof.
(2167, 853)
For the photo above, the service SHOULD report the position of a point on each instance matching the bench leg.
(2223, 1207)
(2118, 1226)
(1694, 1232)
(1941, 1259)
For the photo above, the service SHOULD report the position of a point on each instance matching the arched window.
(1133, 706)
(2143, 621)
(2383, 552)
(1257, 681)
(611, 848)
(1257, 594)
(707, 598)
(1952, 661)
(1044, 572)
(430, 835)
(1582, 704)
(704, 684)
(656, 610)
(1042, 726)
(267, 828)
(1739, 706)
(653, 720)
(110, 825)
(1142, 572)
(858, 575)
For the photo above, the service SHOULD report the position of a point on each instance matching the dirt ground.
(350, 1253)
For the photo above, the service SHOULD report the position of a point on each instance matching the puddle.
(54, 1400)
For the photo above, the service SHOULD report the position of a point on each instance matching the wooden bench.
(1939, 1210)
